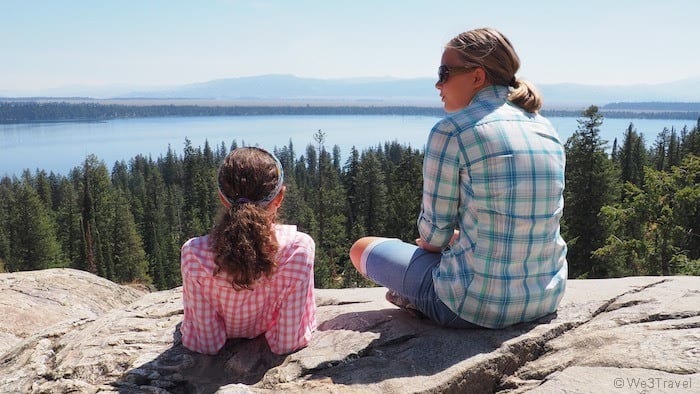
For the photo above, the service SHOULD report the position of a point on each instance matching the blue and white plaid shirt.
(496, 173)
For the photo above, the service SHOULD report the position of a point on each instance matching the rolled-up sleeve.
(441, 188)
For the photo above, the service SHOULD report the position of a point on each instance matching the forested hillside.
(14, 111)
(635, 211)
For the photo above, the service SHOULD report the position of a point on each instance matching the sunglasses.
(445, 71)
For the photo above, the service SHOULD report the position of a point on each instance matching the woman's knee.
(356, 251)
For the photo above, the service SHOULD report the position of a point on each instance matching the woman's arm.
(430, 248)
(441, 189)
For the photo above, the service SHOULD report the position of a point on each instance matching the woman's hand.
(454, 237)
(430, 248)
(424, 245)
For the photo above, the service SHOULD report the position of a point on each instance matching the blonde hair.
(489, 49)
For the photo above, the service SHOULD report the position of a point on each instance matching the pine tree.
(632, 157)
(406, 197)
(42, 185)
(98, 217)
(659, 150)
(626, 248)
(690, 141)
(590, 186)
(171, 168)
(199, 189)
(686, 216)
(128, 255)
(331, 241)
(615, 154)
(120, 176)
(68, 220)
(88, 222)
(350, 182)
(287, 158)
(208, 155)
(32, 232)
(372, 195)
(673, 154)
(6, 204)
(221, 153)
(174, 234)
(155, 231)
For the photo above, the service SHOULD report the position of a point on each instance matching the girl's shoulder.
(288, 236)
(196, 257)
(296, 251)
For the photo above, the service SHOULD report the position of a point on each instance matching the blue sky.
(57, 43)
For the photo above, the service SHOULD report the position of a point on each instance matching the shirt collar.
(491, 93)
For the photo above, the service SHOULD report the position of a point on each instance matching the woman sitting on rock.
(489, 252)
(250, 276)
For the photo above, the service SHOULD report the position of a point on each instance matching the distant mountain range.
(380, 91)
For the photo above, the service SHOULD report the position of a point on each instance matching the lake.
(59, 147)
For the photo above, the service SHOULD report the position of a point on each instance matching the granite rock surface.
(69, 331)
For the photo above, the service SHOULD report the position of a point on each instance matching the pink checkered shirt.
(282, 307)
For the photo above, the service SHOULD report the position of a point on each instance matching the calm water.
(59, 147)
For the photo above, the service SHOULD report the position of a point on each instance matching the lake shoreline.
(20, 112)
(60, 146)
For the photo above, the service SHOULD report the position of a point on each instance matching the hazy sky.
(57, 43)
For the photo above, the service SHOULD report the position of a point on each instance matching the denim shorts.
(408, 270)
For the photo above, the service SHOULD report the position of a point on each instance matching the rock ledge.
(68, 331)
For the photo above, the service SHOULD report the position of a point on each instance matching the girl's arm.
(297, 313)
(202, 329)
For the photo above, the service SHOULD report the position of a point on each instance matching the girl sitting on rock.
(250, 276)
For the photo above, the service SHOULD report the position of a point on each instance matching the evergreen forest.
(631, 208)
(49, 110)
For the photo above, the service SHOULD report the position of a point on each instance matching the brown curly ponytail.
(242, 238)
